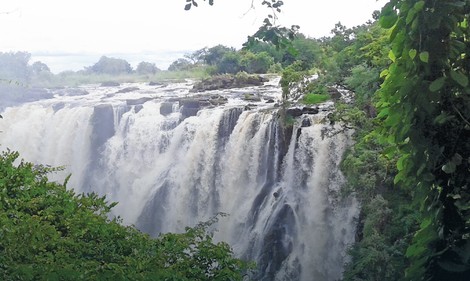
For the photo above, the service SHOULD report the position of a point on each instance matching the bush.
(50, 233)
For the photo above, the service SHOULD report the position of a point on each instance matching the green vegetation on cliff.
(50, 233)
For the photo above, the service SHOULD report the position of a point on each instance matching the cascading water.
(279, 183)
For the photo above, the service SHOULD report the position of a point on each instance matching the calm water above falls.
(167, 171)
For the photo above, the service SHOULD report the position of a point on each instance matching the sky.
(72, 34)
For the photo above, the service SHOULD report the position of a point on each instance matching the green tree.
(229, 63)
(308, 51)
(111, 66)
(256, 63)
(14, 68)
(38, 67)
(146, 68)
(259, 47)
(40, 74)
(425, 112)
(50, 233)
(180, 64)
(197, 57)
(214, 55)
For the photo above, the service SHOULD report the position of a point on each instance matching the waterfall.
(279, 183)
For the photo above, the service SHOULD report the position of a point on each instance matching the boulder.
(228, 82)
(310, 110)
(306, 122)
(166, 108)
(334, 93)
(189, 107)
(294, 112)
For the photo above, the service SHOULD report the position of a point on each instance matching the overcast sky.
(72, 34)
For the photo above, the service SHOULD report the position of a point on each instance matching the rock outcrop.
(228, 82)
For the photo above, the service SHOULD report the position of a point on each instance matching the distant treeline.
(16, 67)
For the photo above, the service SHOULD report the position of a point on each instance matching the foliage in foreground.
(424, 107)
(50, 233)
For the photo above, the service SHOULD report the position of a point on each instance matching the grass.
(311, 98)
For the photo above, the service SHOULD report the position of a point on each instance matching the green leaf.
(424, 56)
(412, 53)
(459, 77)
(384, 73)
(387, 21)
(384, 112)
(392, 56)
(400, 164)
(411, 15)
(419, 6)
(442, 118)
(437, 84)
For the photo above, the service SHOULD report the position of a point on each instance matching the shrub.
(315, 98)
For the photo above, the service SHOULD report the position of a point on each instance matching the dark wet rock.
(218, 100)
(298, 133)
(188, 111)
(294, 112)
(189, 103)
(110, 84)
(138, 108)
(250, 106)
(189, 107)
(137, 101)
(310, 110)
(228, 82)
(270, 101)
(153, 83)
(166, 108)
(334, 93)
(127, 90)
(306, 122)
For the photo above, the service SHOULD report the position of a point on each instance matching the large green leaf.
(424, 56)
(459, 77)
(437, 84)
